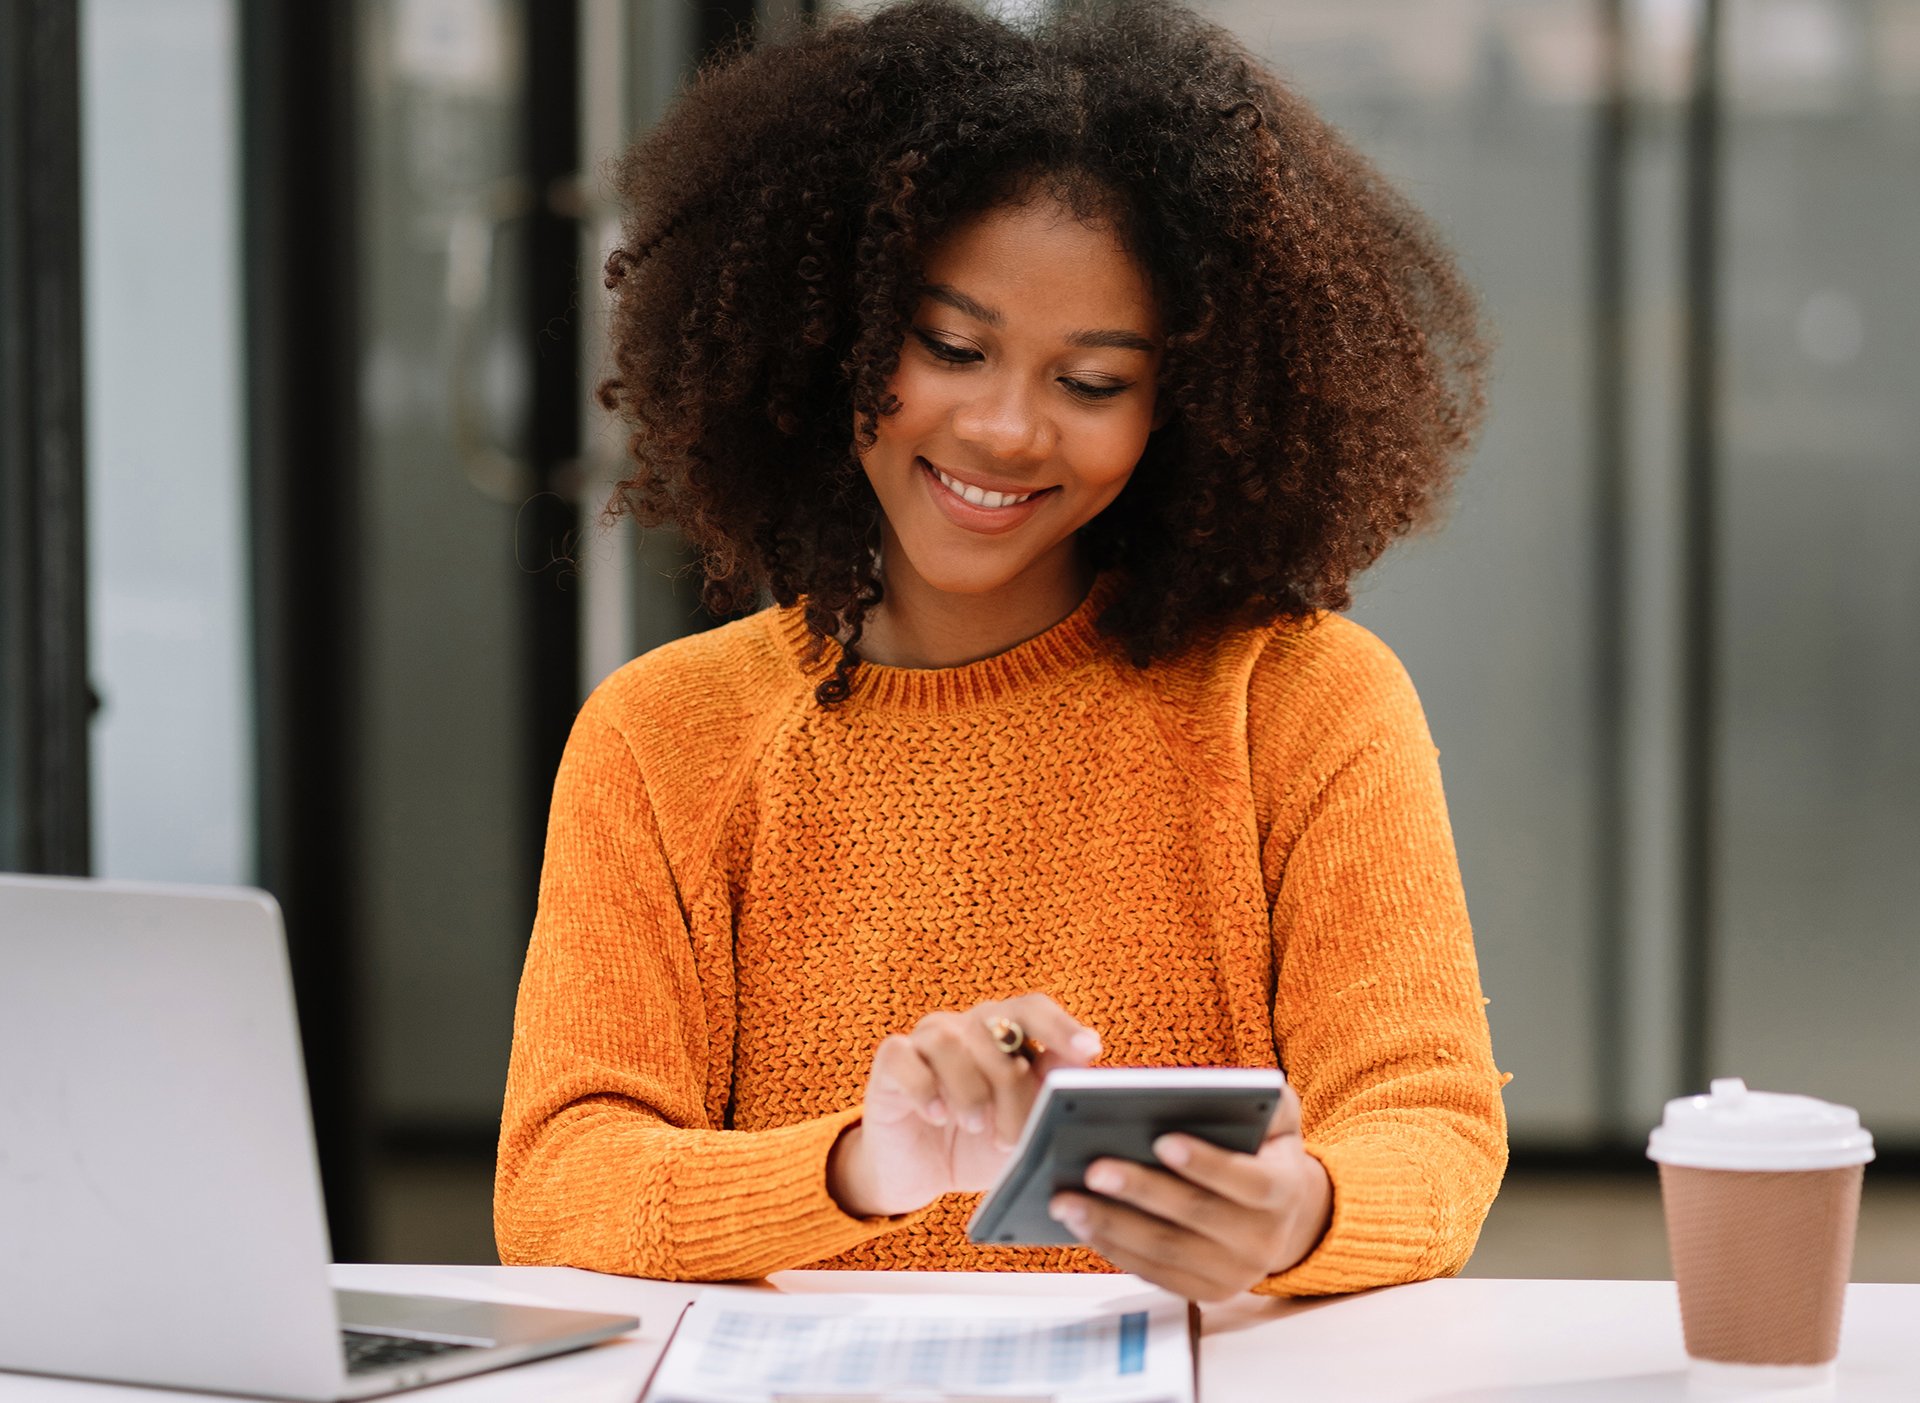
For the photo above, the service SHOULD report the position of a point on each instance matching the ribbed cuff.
(747, 1204)
(1383, 1223)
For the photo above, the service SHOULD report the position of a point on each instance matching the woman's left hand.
(1213, 1222)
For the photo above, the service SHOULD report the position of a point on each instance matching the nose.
(1003, 420)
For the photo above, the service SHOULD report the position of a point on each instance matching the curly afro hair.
(1323, 364)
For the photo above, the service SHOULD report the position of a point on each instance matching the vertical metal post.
(548, 531)
(1702, 558)
(722, 22)
(1609, 408)
(45, 700)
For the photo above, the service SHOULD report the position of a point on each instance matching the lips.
(979, 496)
(956, 500)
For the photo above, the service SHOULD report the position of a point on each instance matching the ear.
(1162, 410)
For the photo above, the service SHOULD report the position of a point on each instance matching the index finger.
(1068, 1042)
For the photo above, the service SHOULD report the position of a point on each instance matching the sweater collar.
(1069, 645)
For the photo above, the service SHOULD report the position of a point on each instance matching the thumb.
(1286, 1115)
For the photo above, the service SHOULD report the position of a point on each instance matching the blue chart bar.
(1133, 1342)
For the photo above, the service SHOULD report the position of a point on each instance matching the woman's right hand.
(944, 1104)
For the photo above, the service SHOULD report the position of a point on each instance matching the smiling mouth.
(980, 496)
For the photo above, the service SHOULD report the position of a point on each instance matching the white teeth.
(979, 496)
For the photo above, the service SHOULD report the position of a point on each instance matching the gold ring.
(1012, 1039)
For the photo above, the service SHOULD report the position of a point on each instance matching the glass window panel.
(1482, 113)
(1817, 958)
(441, 821)
(168, 591)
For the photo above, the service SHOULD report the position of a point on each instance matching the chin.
(967, 571)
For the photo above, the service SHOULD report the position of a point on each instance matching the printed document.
(744, 1346)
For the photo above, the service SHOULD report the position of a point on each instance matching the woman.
(1054, 385)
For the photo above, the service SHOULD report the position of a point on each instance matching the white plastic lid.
(1758, 1131)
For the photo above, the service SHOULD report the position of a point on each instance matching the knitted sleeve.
(609, 1157)
(1378, 1012)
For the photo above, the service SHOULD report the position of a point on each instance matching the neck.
(920, 626)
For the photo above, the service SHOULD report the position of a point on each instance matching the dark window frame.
(299, 210)
(46, 703)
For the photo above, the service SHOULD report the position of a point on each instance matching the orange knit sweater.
(1239, 857)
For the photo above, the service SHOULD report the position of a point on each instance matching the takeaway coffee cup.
(1762, 1194)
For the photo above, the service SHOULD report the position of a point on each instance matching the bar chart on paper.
(747, 1345)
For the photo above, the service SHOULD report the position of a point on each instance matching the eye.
(945, 350)
(1094, 392)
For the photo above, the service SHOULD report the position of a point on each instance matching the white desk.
(1439, 1341)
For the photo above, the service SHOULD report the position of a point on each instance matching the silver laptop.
(160, 1210)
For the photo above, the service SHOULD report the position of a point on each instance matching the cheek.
(923, 401)
(1109, 450)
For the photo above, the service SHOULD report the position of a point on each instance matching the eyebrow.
(1093, 340)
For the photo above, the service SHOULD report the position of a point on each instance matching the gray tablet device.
(1089, 1113)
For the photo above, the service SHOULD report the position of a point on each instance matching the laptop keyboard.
(367, 1351)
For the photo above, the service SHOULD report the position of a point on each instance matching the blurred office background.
(304, 572)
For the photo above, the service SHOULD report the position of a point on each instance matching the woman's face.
(1026, 391)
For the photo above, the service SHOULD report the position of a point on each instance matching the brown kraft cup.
(1761, 1260)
